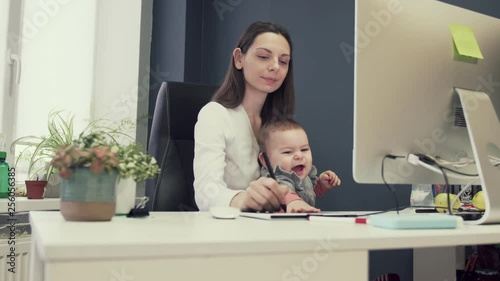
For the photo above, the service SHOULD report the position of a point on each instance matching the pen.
(339, 220)
(271, 173)
(268, 164)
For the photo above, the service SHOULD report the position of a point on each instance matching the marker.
(271, 173)
(268, 164)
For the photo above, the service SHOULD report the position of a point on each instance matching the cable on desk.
(447, 189)
(391, 189)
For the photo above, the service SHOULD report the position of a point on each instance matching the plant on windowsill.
(38, 151)
(133, 164)
(35, 188)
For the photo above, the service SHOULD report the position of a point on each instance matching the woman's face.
(290, 150)
(265, 65)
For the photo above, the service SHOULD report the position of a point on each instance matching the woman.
(258, 85)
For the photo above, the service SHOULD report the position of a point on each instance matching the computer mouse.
(221, 212)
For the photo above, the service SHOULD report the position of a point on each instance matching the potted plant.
(35, 189)
(135, 167)
(38, 151)
(88, 181)
(91, 167)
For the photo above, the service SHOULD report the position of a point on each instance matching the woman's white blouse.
(225, 156)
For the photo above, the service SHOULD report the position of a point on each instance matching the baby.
(286, 144)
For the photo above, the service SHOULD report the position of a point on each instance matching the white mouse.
(221, 212)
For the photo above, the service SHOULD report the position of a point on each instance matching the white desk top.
(176, 234)
(24, 204)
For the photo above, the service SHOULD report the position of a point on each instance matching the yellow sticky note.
(465, 41)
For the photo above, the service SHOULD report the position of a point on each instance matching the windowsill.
(23, 204)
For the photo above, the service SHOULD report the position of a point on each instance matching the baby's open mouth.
(298, 169)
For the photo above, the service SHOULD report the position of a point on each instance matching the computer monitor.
(408, 76)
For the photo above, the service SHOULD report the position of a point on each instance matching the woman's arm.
(209, 158)
(263, 194)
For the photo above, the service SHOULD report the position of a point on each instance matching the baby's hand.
(329, 179)
(299, 206)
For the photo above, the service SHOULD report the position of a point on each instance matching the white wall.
(117, 59)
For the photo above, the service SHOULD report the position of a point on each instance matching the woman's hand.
(300, 206)
(329, 179)
(263, 194)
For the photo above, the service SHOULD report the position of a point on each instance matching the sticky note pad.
(465, 41)
(415, 221)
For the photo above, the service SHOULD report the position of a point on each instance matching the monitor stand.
(484, 133)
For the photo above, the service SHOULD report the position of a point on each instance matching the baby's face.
(290, 150)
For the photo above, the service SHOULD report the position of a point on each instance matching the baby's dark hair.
(276, 124)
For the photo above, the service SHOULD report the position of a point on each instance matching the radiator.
(21, 260)
(22, 247)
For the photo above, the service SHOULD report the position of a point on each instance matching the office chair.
(388, 277)
(171, 142)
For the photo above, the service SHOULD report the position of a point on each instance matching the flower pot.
(35, 189)
(125, 196)
(88, 197)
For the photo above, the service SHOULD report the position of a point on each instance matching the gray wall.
(324, 81)
(168, 46)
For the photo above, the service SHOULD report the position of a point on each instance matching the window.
(10, 12)
(82, 57)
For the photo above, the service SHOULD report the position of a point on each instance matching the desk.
(22, 243)
(194, 246)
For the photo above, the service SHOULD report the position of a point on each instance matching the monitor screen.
(409, 69)
(406, 70)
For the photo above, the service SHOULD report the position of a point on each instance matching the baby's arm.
(300, 206)
(291, 196)
(295, 204)
(326, 181)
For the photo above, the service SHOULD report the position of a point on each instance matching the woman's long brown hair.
(279, 103)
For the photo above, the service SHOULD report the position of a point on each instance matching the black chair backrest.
(171, 142)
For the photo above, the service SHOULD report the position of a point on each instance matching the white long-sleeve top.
(225, 156)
